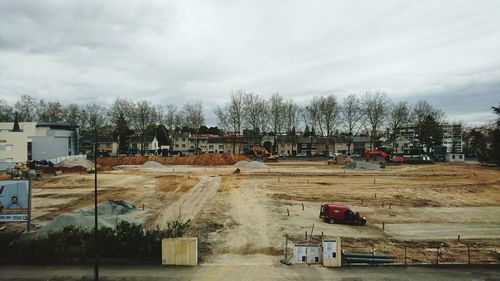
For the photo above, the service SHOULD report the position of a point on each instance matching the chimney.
(16, 124)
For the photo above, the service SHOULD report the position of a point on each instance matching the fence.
(412, 252)
(59, 159)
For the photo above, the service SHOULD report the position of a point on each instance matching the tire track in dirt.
(191, 202)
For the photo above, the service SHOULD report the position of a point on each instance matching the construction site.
(254, 212)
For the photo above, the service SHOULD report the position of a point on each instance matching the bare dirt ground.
(242, 218)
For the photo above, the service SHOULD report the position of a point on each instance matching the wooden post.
(468, 251)
(302, 206)
(361, 203)
(437, 254)
(390, 205)
(373, 180)
(143, 206)
(288, 212)
(382, 204)
(306, 235)
(458, 238)
(383, 225)
(286, 248)
(375, 195)
(278, 179)
(405, 254)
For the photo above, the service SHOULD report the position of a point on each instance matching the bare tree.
(375, 108)
(95, 120)
(172, 120)
(6, 112)
(398, 116)
(26, 108)
(121, 113)
(143, 115)
(421, 110)
(231, 115)
(194, 118)
(277, 117)
(324, 113)
(291, 114)
(352, 117)
(52, 111)
(255, 114)
(74, 115)
(193, 115)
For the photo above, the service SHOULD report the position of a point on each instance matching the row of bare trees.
(371, 114)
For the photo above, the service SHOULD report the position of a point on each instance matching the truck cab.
(335, 213)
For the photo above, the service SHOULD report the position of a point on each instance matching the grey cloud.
(183, 51)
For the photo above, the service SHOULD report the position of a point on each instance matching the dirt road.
(191, 202)
(254, 239)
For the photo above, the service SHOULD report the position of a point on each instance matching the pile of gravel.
(250, 164)
(75, 162)
(362, 166)
(110, 214)
(152, 164)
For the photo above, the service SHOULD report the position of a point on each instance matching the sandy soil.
(242, 218)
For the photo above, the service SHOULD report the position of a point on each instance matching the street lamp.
(96, 264)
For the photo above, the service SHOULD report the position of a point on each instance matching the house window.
(453, 157)
(221, 146)
(183, 139)
(211, 146)
(176, 145)
(183, 145)
(460, 156)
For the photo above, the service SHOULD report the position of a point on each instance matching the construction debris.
(362, 166)
(341, 159)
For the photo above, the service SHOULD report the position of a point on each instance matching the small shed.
(455, 157)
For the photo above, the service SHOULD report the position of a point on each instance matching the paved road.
(250, 272)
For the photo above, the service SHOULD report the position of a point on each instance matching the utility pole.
(96, 244)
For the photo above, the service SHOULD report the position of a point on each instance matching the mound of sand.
(250, 164)
(110, 214)
(76, 162)
(362, 166)
(152, 164)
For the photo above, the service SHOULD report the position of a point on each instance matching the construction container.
(332, 252)
(179, 251)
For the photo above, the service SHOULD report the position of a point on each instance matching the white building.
(36, 141)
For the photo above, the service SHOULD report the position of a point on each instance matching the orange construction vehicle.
(381, 156)
(260, 151)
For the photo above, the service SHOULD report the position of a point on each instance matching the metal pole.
(28, 227)
(96, 265)
(286, 248)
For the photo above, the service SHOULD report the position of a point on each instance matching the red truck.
(334, 213)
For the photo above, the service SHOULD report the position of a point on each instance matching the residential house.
(216, 145)
(234, 144)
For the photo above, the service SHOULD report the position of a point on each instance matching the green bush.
(127, 241)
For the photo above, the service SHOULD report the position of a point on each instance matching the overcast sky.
(447, 52)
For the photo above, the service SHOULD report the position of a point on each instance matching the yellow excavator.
(257, 151)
